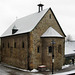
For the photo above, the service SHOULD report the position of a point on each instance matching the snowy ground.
(66, 73)
(10, 71)
(65, 66)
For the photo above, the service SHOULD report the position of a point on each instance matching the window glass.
(50, 16)
(11, 51)
(59, 48)
(49, 49)
(38, 49)
(22, 44)
(15, 45)
(3, 45)
(8, 45)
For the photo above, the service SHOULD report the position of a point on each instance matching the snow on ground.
(15, 68)
(39, 74)
(34, 70)
(65, 73)
(3, 72)
(65, 66)
(10, 71)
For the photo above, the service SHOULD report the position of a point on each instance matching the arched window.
(3, 45)
(38, 49)
(50, 49)
(8, 45)
(11, 51)
(22, 44)
(15, 45)
(50, 16)
(59, 49)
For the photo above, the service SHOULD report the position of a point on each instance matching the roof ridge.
(33, 13)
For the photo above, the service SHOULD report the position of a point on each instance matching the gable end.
(55, 19)
(57, 22)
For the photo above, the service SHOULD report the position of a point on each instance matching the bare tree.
(69, 38)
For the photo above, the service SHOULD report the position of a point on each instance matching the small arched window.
(50, 49)
(8, 45)
(22, 44)
(38, 49)
(49, 16)
(15, 45)
(59, 49)
(3, 45)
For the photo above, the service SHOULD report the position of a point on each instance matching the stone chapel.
(27, 43)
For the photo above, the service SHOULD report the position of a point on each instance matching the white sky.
(63, 9)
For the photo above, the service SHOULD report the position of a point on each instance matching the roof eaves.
(70, 55)
(14, 35)
(52, 37)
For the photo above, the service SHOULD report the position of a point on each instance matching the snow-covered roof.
(25, 24)
(69, 47)
(50, 32)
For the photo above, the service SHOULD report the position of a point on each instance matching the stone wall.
(21, 57)
(58, 56)
(41, 27)
(15, 56)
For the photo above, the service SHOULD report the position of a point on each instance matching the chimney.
(14, 30)
(40, 7)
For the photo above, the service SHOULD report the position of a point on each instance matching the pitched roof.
(57, 22)
(25, 24)
(51, 33)
(69, 47)
(28, 23)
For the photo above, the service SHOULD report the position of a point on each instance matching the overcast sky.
(64, 11)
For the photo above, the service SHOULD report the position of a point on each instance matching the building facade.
(0, 49)
(69, 52)
(27, 42)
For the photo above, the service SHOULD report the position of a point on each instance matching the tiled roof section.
(25, 24)
(51, 33)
